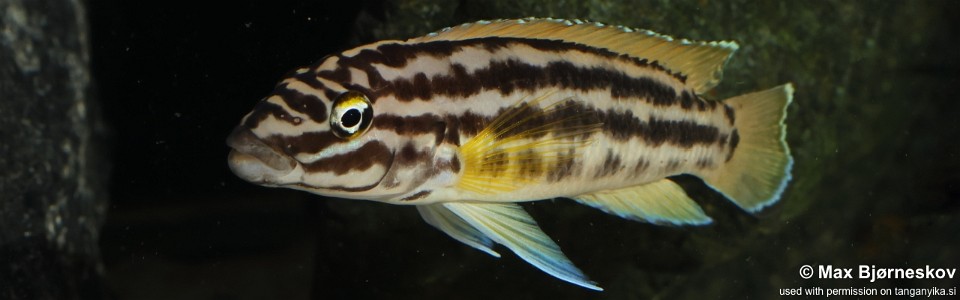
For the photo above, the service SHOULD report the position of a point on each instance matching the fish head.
(320, 135)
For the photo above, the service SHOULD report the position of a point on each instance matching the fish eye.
(351, 115)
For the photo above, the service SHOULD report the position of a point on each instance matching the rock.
(54, 170)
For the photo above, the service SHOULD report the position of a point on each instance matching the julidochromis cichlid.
(466, 122)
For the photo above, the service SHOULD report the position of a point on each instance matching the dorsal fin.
(701, 62)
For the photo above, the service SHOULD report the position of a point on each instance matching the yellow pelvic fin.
(518, 145)
(701, 62)
(442, 218)
(661, 202)
(509, 225)
(758, 170)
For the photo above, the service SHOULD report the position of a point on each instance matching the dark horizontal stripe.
(399, 55)
(367, 156)
(568, 117)
(617, 125)
(307, 104)
(340, 188)
(573, 114)
(265, 109)
(410, 125)
(513, 75)
(416, 196)
(565, 118)
(623, 126)
(307, 142)
(447, 128)
(562, 119)
(470, 124)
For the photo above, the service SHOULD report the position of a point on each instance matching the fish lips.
(253, 160)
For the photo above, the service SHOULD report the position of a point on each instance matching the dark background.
(174, 78)
(873, 129)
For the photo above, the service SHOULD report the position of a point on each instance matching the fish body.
(467, 121)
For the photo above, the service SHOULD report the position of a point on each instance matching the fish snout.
(254, 160)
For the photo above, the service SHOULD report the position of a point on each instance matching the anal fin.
(510, 225)
(658, 202)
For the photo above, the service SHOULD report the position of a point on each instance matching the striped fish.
(465, 122)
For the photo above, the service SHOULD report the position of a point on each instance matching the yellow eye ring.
(351, 115)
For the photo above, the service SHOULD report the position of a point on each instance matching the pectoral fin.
(510, 225)
(659, 202)
(525, 137)
(442, 218)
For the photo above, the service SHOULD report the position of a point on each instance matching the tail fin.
(759, 168)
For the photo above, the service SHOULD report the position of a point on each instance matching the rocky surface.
(52, 187)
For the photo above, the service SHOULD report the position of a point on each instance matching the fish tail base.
(758, 168)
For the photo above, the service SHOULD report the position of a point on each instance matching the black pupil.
(350, 118)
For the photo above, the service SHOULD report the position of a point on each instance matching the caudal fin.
(758, 169)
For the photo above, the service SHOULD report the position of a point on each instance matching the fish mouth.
(253, 160)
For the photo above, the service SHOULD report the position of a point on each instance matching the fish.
(467, 122)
